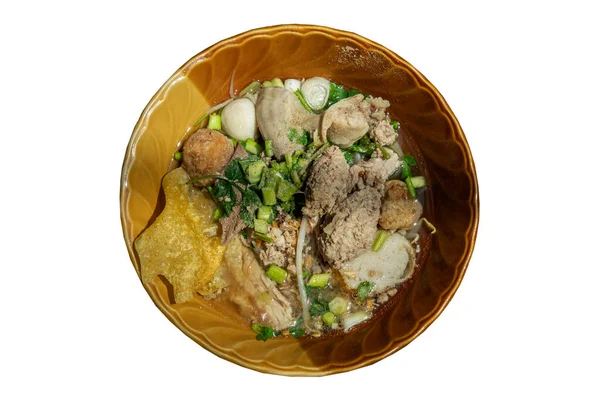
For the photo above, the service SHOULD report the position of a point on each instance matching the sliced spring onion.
(380, 240)
(214, 121)
(355, 318)
(269, 148)
(292, 84)
(263, 237)
(301, 98)
(277, 82)
(328, 318)
(338, 305)
(255, 170)
(269, 196)
(218, 213)
(267, 84)
(409, 185)
(261, 226)
(285, 190)
(264, 213)
(288, 161)
(418, 181)
(212, 110)
(319, 280)
(276, 273)
(296, 178)
(395, 125)
(253, 87)
(252, 147)
(178, 156)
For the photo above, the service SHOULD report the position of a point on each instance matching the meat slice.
(256, 295)
(327, 183)
(346, 121)
(282, 119)
(398, 210)
(350, 228)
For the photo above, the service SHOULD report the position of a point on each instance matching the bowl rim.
(445, 298)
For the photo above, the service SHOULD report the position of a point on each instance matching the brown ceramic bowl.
(430, 131)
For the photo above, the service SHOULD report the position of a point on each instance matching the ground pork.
(383, 133)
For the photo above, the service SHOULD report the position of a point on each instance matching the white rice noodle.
(299, 274)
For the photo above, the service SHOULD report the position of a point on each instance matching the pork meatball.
(206, 152)
(398, 210)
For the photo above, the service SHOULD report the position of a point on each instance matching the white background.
(521, 77)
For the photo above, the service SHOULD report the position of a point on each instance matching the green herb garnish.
(299, 137)
(364, 289)
(264, 332)
(296, 331)
(318, 307)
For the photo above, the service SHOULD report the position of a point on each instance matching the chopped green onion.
(276, 274)
(364, 289)
(304, 103)
(265, 213)
(214, 121)
(263, 237)
(411, 189)
(252, 147)
(319, 280)
(296, 178)
(338, 305)
(285, 190)
(380, 240)
(261, 226)
(267, 84)
(255, 170)
(269, 148)
(234, 142)
(251, 88)
(288, 161)
(418, 181)
(277, 82)
(218, 213)
(395, 125)
(353, 92)
(328, 318)
(384, 152)
(178, 156)
(269, 197)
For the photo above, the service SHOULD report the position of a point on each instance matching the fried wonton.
(182, 244)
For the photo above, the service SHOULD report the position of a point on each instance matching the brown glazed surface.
(430, 131)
